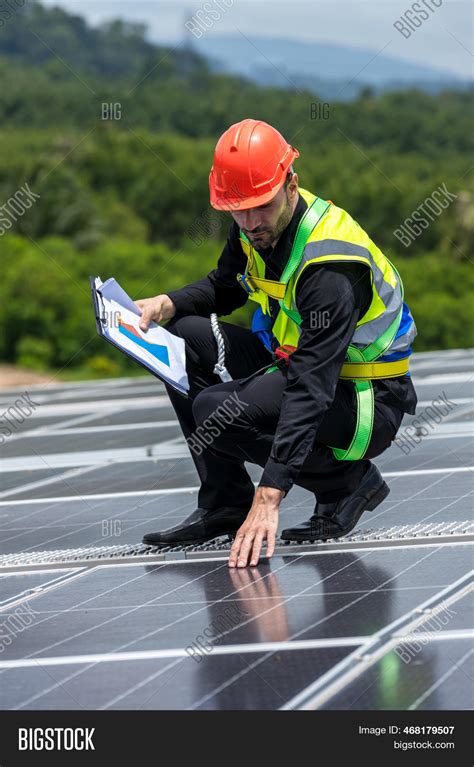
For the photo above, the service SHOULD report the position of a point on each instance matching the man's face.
(264, 225)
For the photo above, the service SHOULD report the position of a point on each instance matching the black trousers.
(219, 452)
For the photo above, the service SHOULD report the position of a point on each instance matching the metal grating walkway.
(401, 535)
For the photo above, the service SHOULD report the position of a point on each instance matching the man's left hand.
(261, 524)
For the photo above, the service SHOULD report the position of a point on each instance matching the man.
(330, 309)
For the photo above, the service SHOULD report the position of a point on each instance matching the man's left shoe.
(333, 520)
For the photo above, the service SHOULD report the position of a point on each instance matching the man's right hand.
(155, 309)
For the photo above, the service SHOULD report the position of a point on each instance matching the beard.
(283, 220)
(266, 242)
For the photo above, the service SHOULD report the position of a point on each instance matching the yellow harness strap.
(272, 288)
(364, 371)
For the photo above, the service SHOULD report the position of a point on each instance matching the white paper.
(114, 292)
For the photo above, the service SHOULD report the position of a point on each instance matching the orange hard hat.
(251, 161)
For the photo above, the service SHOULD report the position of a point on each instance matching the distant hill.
(37, 35)
(325, 68)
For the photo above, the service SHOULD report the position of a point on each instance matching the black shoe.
(201, 526)
(333, 520)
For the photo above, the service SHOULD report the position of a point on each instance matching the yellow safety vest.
(325, 234)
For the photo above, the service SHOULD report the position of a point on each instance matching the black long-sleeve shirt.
(337, 295)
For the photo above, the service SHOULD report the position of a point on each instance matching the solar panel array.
(92, 619)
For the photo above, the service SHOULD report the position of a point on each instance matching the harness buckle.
(243, 280)
(283, 352)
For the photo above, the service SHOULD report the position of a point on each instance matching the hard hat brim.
(238, 203)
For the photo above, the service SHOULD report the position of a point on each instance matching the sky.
(443, 41)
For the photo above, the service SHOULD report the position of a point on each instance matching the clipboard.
(163, 356)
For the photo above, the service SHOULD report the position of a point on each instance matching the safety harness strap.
(364, 391)
(374, 370)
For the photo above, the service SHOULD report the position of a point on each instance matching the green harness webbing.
(308, 223)
(365, 394)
